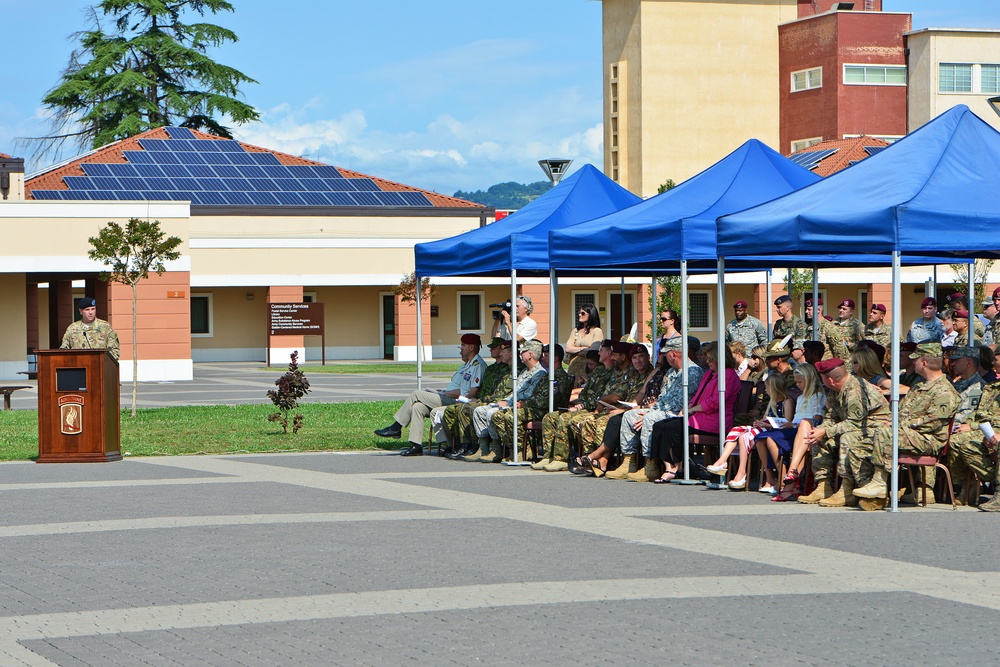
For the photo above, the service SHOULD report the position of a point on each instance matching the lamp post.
(555, 168)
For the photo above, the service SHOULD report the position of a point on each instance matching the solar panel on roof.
(190, 158)
(338, 185)
(156, 183)
(289, 198)
(133, 183)
(121, 170)
(93, 169)
(226, 171)
(263, 198)
(188, 184)
(272, 171)
(810, 159)
(264, 158)
(139, 157)
(363, 184)
(324, 171)
(212, 198)
(312, 184)
(201, 171)
(240, 158)
(249, 171)
(314, 198)
(871, 150)
(79, 183)
(289, 184)
(175, 170)
(340, 199)
(366, 198)
(415, 198)
(300, 171)
(390, 198)
(148, 170)
(238, 199)
(180, 133)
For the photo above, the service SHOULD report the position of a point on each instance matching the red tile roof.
(848, 151)
(113, 154)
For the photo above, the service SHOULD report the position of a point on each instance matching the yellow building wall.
(700, 79)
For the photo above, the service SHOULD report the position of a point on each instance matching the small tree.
(292, 386)
(668, 297)
(130, 254)
(666, 185)
(981, 272)
(802, 280)
(407, 288)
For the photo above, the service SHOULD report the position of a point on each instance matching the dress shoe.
(389, 432)
(412, 450)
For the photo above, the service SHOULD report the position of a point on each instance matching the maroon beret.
(879, 307)
(961, 313)
(621, 347)
(929, 301)
(740, 304)
(472, 339)
(809, 302)
(847, 302)
(829, 364)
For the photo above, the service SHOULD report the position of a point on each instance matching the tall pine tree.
(151, 70)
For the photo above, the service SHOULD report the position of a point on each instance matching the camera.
(505, 305)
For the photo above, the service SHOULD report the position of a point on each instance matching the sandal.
(717, 470)
(664, 479)
(738, 484)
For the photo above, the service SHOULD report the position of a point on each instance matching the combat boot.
(840, 498)
(876, 487)
(652, 470)
(540, 465)
(492, 456)
(823, 490)
(556, 466)
(627, 466)
(991, 505)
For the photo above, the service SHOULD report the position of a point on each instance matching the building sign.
(295, 319)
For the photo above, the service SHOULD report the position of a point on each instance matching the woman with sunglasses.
(587, 332)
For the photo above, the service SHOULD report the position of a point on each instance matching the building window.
(699, 310)
(803, 144)
(470, 312)
(201, 316)
(807, 79)
(954, 78)
(990, 79)
(875, 75)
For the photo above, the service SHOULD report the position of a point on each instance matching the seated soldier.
(464, 383)
(855, 412)
(482, 417)
(497, 383)
(970, 448)
(536, 404)
(964, 372)
(924, 415)
(556, 425)
(633, 386)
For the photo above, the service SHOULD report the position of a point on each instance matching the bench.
(8, 390)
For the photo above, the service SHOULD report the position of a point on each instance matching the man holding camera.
(526, 328)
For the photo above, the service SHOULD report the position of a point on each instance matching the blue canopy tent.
(935, 191)
(519, 242)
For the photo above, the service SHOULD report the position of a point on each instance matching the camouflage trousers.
(482, 423)
(848, 453)
(632, 438)
(967, 452)
(592, 432)
(882, 451)
(458, 421)
(560, 431)
(503, 423)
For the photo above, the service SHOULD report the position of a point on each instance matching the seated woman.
(809, 408)
(739, 350)
(703, 415)
(587, 332)
(741, 438)
(867, 366)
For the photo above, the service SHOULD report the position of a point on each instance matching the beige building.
(950, 66)
(686, 83)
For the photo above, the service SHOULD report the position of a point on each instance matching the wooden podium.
(79, 416)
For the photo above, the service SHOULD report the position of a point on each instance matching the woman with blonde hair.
(809, 408)
(866, 365)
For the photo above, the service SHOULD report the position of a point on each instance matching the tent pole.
(721, 355)
(815, 300)
(896, 331)
(768, 305)
(420, 336)
(654, 314)
(553, 332)
(685, 362)
(624, 334)
(514, 360)
(971, 298)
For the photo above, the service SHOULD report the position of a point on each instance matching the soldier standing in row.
(845, 331)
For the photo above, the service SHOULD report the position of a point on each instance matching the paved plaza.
(375, 559)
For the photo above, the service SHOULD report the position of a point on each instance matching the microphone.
(87, 339)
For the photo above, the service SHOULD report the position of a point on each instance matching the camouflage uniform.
(796, 328)
(592, 430)
(852, 421)
(535, 407)
(995, 329)
(825, 336)
(669, 404)
(922, 331)
(843, 337)
(98, 334)
(497, 383)
(751, 332)
(482, 416)
(970, 391)
(966, 450)
(881, 335)
(556, 425)
(924, 413)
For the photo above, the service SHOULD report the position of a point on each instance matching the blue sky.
(440, 94)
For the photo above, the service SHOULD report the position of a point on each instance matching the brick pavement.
(369, 559)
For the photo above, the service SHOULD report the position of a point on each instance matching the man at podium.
(90, 333)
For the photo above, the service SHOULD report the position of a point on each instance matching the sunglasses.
(664, 319)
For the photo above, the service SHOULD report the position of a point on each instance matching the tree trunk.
(135, 349)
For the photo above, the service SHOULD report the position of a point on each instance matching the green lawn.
(221, 429)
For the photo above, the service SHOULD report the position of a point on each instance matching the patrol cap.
(846, 302)
(672, 344)
(879, 307)
(784, 298)
(496, 342)
(929, 301)
(967, 352)
(927, 350)
(86, 302)
(621, 347)
(809, 302)
(533, 346)
(740, 304)
(829, 365)
(472, 339)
